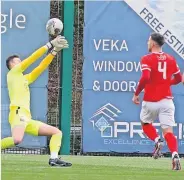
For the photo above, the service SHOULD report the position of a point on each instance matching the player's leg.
(173, 146)
(7, 142)
(149, 113)
(38, 128)
(55, 141)
(17, 128)
(166, 117)
(17, 137)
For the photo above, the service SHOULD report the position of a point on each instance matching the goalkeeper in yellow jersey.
(18, 86)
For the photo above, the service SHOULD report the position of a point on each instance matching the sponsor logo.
(106, 121)
(104, 118)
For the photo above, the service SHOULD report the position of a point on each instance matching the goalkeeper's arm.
(31, 77)
(40, 52)
(31, 59)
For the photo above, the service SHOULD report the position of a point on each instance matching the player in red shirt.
(159, 72)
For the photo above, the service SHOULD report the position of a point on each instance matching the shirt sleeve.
(31, 77)
(176, 68)
(143, 81)
(146, 69)
(145, 65)
(177, 79)
(33, 57)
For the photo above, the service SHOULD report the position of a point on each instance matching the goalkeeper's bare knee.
(17, 140)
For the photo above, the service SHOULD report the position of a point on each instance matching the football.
(54, 26)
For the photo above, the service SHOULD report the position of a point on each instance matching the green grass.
(35, 167)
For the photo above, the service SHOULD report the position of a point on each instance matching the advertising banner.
(115, 39)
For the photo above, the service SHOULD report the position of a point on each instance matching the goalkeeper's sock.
(171, 142)
(150, 131)
(7, 142)
(54, 155)
(55, 144)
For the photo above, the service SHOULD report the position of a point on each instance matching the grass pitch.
(35, 167)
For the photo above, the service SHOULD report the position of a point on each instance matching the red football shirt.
(162, 67)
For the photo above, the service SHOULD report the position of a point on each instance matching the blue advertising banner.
(115, 38)
(22, 32)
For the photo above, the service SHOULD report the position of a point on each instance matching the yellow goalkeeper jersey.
(18, 88)
(18, 84)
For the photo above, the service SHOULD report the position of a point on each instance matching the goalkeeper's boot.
(176, 163)
(59, 162)
(158, 147)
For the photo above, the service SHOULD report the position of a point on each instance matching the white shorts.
(162, 110)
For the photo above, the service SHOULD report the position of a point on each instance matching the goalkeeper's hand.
(55, 50)
(58, 42)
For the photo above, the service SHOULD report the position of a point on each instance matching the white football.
(54, 26)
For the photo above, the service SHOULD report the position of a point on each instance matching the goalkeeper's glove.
(55, 50)
(59, 41)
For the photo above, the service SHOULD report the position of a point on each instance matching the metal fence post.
(66, 77)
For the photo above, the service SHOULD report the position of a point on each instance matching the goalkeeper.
(18, 86)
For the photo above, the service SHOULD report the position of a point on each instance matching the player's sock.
(54, 155)
(7, 142)
(157, 139)
(174, 153)
(55, 144)
(151, 132)
(171, 142)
